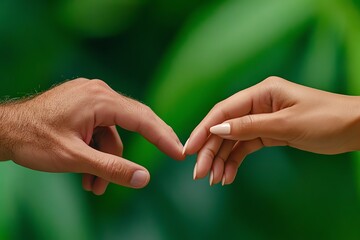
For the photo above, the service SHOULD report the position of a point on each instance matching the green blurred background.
(181, 57)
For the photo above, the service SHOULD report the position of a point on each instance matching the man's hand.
(71, 128)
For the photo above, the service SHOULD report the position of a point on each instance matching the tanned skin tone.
(71, 128)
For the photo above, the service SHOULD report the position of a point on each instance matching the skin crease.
(274, 112)
(71, 128)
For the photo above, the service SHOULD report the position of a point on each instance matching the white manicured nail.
(185, 146)
(194, 176)
(221, 129)
(223, 180)
(211, 177)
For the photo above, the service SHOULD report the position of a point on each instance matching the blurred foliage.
(181, 57)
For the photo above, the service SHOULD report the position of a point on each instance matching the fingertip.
(229, 174)
(180, 155)
(218, 168)
(177, 154)
(140, 179)
(99, 187)
(173, 149)
(98, 193)
(87, 182)
(195, 142)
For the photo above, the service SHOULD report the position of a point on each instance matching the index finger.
(137, 117)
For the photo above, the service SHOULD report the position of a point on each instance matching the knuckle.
(273, 79)
(81, 79)
(146, 109)
(208, 153)
(218, 107)
(235, 163)
(170, 129)
(99, 82)
(273, 82)
(218, 110)
(244, 123)
(97, 87)
(221, 158)
(116, 172)
(147, 113)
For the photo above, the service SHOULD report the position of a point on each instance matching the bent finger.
(237, 105)
(220, 160)
(137, 117)
(206, 156)
(106, 140)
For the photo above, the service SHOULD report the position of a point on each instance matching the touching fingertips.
(185, 146)
(195, 172)
(139, 179)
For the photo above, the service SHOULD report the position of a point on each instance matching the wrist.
(4, 132)
(354, 126)
(10, 125)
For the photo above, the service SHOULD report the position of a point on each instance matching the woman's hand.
(274, 112)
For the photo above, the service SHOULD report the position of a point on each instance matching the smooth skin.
(274, 112)
(71, 128)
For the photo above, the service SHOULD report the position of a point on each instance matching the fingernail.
(221, 129)
(194, 176)
(211, 177)
(185, 146)
(223, 180)
(139, 179)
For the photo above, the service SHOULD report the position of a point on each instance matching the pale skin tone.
(274, 112)
(71, 128)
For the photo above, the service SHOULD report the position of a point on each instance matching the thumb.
(114, 169)
(267, 125)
